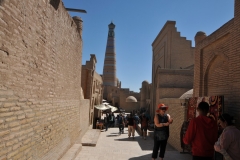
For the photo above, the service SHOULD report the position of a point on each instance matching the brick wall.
(178, 113)
(234, 58)
(172, 73)
(173, 83)
(217, 69)
(40, 80)
(170, 49)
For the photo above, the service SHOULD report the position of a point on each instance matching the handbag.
(161, 135)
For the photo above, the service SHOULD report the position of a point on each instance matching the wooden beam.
(76, 10)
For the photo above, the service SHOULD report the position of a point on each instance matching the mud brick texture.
(217, 67)
(40, 79)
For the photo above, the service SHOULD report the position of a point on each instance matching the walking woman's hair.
(226, 118)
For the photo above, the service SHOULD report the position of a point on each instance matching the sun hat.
(161, 105)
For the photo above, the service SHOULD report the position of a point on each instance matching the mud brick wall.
(40, 79)
(178, 112)
(217, 67)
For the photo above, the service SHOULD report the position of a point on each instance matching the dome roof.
(131, 99)
(145, 82)
(200, 33)
(187, 94)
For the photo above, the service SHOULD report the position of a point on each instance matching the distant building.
(113, 93)
(92, 87)
(172, 65)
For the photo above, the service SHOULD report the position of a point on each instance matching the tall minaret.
(109, 68)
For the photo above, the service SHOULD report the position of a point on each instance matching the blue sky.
(138, 22)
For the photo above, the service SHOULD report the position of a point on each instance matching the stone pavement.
(112, 146)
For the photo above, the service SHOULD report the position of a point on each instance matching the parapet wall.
(40, 80)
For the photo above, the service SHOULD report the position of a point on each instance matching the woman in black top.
(161, 131)
(131, 129)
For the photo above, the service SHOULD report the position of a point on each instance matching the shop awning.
(102, 107)
(113, 109)
(105, 107)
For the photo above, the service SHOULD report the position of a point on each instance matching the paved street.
(112, 146)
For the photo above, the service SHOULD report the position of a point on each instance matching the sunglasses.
(164, 109)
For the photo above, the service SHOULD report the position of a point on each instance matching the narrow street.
(112, 146)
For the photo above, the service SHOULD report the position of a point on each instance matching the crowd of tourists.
(130, 121)
(201, 135)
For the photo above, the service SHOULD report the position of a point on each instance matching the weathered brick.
(30, 115)
(21, 116)
(15, 129)
(6, 93)
(2, 133)
(7, 114)
(22, 137)
(14, 124)
(9, 104)
(8, 137)
(4, 110)
(11, 154)
(18, 156)
(16, 146)
(3, 151)
(11, 119)
(12, 142)
(15, 108)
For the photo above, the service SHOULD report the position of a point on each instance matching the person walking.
(121, 123)
(144, 125)
(111, 120)
(201, 134)
(131, 129)
(106, 121)
(161, 131)
(228, 143)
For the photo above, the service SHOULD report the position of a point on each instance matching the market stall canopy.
(113, 109)
(104, 100)
(105, 106)
(102, 107)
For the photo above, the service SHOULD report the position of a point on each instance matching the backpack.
(120, 120)
(110, 118)
(136, 119)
